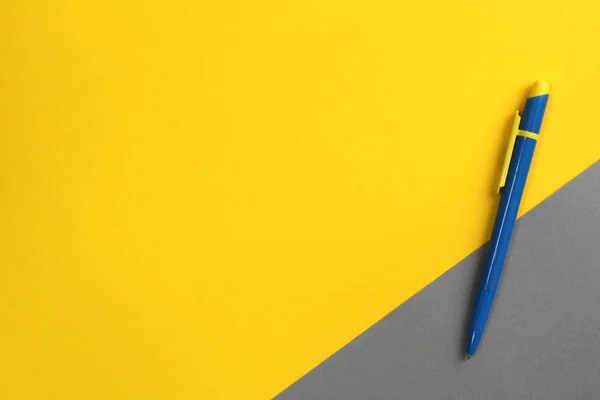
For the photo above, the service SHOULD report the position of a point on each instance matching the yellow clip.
(511, 146)
(509, 150)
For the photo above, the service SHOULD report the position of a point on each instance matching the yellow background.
(206, 199)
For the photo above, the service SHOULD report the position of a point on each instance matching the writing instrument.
(521, 146)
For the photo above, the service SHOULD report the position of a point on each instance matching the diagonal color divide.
(542, 340)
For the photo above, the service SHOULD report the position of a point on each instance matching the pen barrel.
(506, 217)
(501, 235)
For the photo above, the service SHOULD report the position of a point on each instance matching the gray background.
(542, 340)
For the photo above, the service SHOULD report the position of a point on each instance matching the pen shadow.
(485, 248)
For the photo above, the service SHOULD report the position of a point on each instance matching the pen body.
(506, 217)
(501, 234)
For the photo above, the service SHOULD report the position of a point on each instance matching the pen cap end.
(539, 88)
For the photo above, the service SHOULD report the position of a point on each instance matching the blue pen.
(518, 158)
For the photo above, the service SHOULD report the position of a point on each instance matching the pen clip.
(511, 145)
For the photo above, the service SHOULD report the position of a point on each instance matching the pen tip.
(468, 356)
